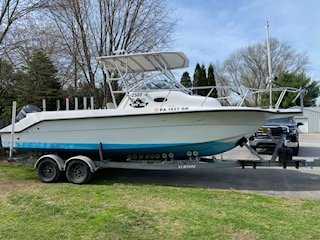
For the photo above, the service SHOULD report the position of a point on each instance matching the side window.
(160, 99)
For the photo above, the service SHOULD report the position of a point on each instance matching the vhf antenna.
(269, 78)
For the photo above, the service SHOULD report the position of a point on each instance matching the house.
(310, 119)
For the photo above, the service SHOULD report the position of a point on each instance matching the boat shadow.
(260, 179)
(305, 151)
(312, 152)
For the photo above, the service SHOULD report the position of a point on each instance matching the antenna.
(269, 78)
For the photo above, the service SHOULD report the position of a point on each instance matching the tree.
(12, 10)
(40, 82)
(212, 81)
(203, 81)
(196, 76)
(200, 79)
(298, 80)
(74, 33)
(186, 80)
(6, 88)
(248, 66)
(101, 27)
(34, 33)
(6, 76)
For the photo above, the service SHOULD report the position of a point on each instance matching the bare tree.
(222, 83)
(248, 66)
(100, 27)
(11, 11)
(33, 33)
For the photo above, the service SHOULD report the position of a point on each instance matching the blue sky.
(209, 30)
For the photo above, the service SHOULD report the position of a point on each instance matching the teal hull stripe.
(90, 146)
(206, 148)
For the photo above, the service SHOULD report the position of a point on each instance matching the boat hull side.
(208, 133)
(123, 150)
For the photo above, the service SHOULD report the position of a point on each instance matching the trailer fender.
(54, 157)
(85, 159)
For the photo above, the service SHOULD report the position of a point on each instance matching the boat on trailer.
(157, 119)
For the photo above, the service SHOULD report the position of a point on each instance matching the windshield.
(157, 83)
(284, 120)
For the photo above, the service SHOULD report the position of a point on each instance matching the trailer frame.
(79, 169)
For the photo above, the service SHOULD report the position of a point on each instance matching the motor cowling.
(25, 110)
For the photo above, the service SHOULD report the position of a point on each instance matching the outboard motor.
(25, 110)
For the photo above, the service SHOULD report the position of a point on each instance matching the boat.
(157, 117)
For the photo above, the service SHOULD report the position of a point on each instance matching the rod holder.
(76, 103)
(67, 104)
(13, 121)
(84, 103)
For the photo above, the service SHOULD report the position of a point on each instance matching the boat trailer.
(284, 156)
(281, 152)
(79, 169)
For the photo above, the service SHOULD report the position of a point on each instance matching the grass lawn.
(112, 208)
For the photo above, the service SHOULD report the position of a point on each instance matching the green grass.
(113, 208)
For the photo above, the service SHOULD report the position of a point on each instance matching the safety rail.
(252, 91)
(117, 68)
(243, 97)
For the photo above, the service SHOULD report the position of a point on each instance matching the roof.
(145, 62)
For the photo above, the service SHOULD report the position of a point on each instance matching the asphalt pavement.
(298, 183)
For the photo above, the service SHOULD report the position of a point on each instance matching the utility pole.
(269, 79)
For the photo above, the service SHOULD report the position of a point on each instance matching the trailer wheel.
(78, 172)
(48, 171)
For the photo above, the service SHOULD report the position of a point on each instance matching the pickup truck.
(277, 128)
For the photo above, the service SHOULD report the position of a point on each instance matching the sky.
(210, 30)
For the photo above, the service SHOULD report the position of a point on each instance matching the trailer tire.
(78, 172)
(48, 171)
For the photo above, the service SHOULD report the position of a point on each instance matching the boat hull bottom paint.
(124, 150)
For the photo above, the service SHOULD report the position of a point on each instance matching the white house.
(310, 119)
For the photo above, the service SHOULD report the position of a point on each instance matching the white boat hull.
(207, 132)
